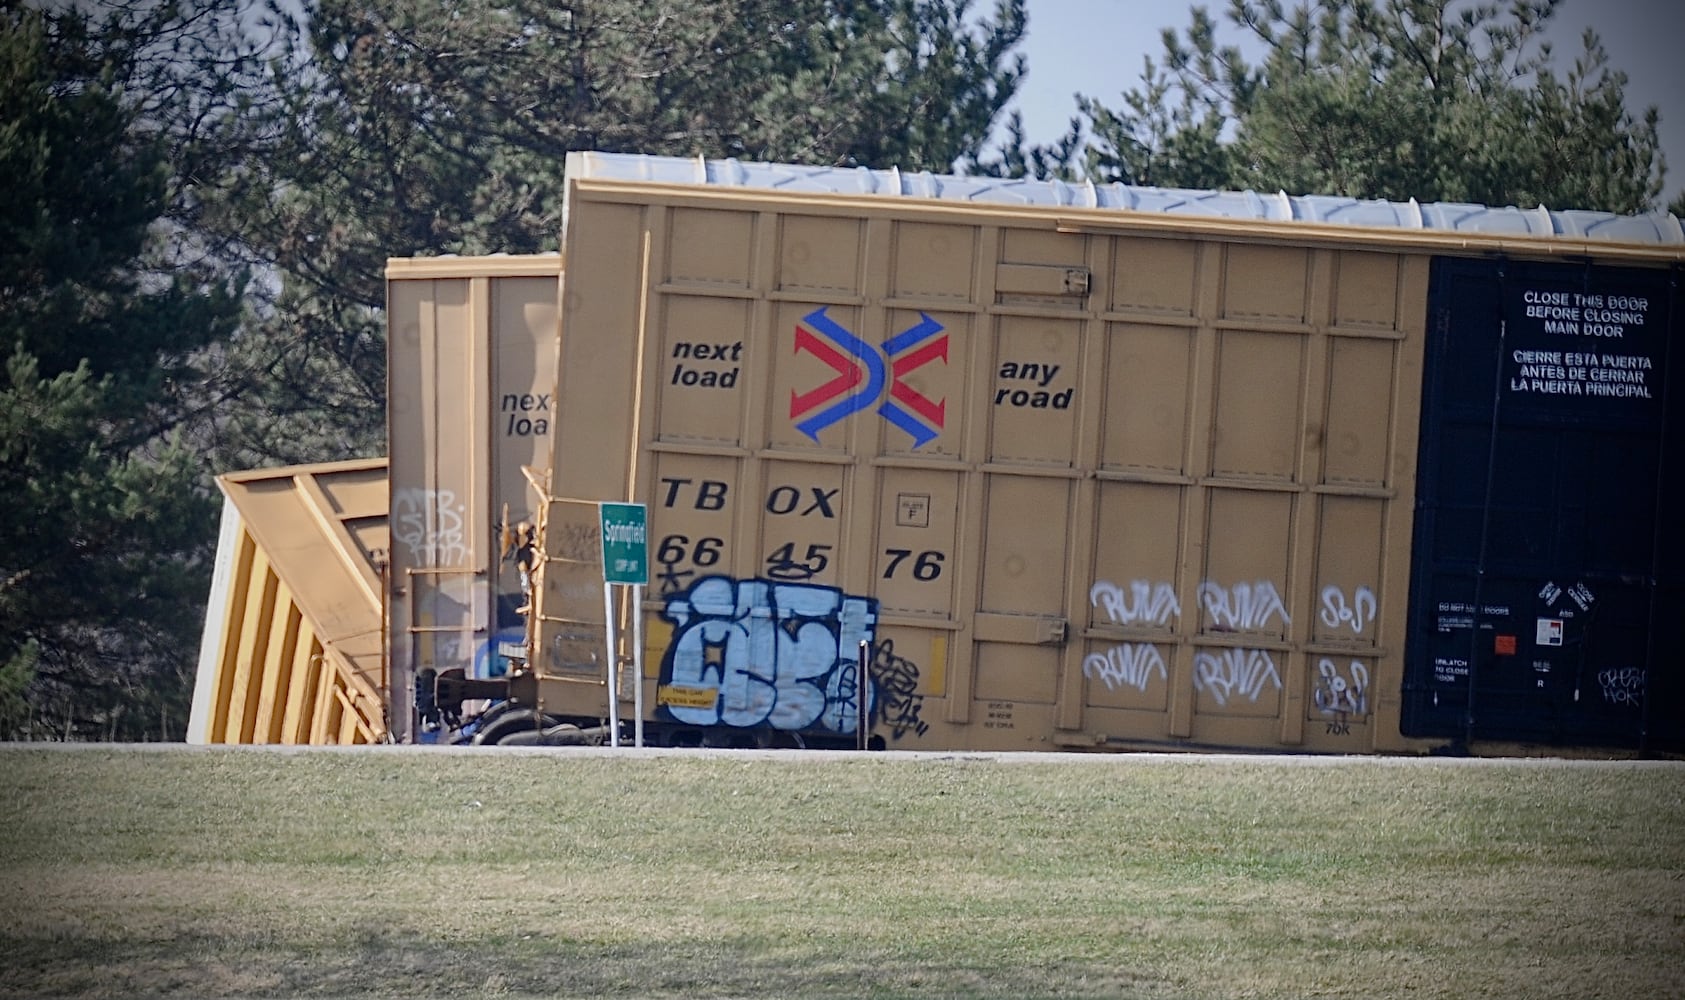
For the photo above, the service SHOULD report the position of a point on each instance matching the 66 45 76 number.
(675, 549)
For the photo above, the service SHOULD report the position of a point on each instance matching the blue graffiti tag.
(759, 652)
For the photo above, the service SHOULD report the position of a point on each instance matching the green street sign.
(625, 543)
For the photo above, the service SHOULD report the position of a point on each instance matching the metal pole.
(862, 684)
(613, 666)
(383, 564)
(637, 664)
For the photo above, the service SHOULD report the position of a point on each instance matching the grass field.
(194, 872)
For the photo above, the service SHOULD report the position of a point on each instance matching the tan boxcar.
(471, 372)
(293, 646)
(1078, 477)
(471, 368)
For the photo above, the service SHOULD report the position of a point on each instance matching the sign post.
(626, 562)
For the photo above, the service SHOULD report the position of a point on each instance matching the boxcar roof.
(1652, 228)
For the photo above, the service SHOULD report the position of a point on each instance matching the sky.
(1097, 46)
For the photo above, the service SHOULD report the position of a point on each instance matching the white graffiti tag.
(1355, 614)
(1624, 686)
(1145, 604)
(1235, 673)
(1132, 663)
(429, 524)
(780, 655)
(1244, 607)
(1342, 693)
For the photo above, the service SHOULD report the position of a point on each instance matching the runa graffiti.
(1244, 607)
(1145, 603)
(1235, 673)
(1131, 664)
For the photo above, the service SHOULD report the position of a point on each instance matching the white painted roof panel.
(1650, 228)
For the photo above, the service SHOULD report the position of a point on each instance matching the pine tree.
(409, 129)
(104, 513)
(1437, 100)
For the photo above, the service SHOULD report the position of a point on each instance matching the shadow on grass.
(382, 966)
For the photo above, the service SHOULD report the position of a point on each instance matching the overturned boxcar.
(964, 463)
(293, 649)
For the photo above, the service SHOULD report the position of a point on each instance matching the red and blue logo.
(864, 372)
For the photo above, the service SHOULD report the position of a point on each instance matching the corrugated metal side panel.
(229, 638)
(272, 689)
(301, 618)
(1072, 488)
(305, 674)
(1250, 566)
(471, 376)
(252, 654)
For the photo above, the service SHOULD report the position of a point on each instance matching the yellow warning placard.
(686, 697)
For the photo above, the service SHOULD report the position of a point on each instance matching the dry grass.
(241, 873)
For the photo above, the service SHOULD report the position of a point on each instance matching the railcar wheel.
(507, 724)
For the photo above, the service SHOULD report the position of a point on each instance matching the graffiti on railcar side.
(1243, 607)
(1145, 603)
(1622, 686)
(764, 653)
(579, 542)
(1227, 675)
(430, 524)
(1130, 663)
(895, 701)
(1354, 613)
(492, 656)
(1342, 693)
(1235, 674)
